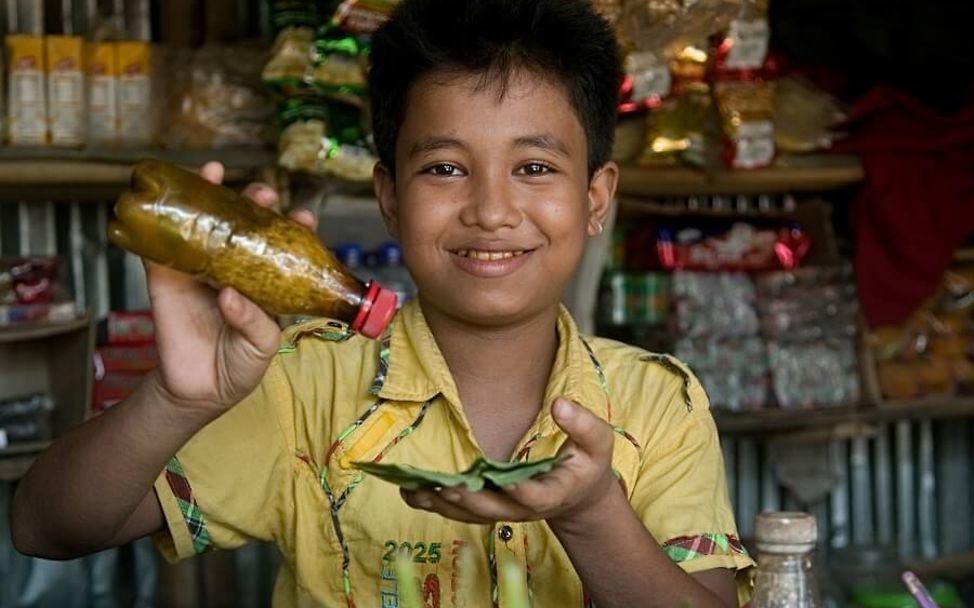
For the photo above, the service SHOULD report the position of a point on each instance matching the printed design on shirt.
(670, 364)
(183, 492)
(332, 331)
(459, 562)
(686, 548)
(495, 601)
(419, 552)
(383, 367)
(527, 572)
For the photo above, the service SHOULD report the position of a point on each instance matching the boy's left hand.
(569, 494)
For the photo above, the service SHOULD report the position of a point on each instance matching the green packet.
(483, 474)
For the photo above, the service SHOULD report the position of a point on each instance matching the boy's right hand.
(214, 346)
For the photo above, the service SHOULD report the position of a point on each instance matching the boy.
(493, 122)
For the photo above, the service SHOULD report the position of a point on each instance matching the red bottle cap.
(375, 312)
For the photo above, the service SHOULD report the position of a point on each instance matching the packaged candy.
(741, 247)
(30, 280)
(734, 370)
(811, 349)
(714, 304)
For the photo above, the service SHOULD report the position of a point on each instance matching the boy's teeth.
(488, 256)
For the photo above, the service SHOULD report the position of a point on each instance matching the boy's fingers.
(262, 194)
(305, 217)
(547, 492)
(586, 430)
(490, 505)
(259, 331)
(432, 502)
(213, 172)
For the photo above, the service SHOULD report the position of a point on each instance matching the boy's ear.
(384, 184)
(601, 193)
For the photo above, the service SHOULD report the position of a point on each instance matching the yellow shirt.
(277, 467)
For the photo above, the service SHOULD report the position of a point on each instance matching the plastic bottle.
(352, 256)
(392, 273)
(786, 573)
(176, 218)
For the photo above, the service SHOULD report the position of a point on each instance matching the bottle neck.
(781, 562)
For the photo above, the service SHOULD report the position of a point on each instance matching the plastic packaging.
(25, 418)
(136, 123)
(806, 118)
(219, 100)
(66, 90)
(27, 105)
(102, 68)
(178, 219)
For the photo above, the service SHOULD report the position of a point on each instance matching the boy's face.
(491, 199)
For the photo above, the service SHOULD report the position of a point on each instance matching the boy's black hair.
(563, 39)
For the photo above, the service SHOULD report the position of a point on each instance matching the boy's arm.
(622, 565)
(619, 562)
(92, 489)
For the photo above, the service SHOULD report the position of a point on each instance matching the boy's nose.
(491, 207)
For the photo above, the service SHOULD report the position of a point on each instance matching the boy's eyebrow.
(432, 144)
(543, 141)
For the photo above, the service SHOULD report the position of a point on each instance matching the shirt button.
(505, 533)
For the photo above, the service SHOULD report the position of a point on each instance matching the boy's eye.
(443, 170)
(535, 169)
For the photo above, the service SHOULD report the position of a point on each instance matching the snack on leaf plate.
(483, 474)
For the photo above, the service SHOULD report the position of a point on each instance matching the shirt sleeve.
(680, 492)
(228, 484)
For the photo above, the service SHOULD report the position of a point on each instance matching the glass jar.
(786, 572)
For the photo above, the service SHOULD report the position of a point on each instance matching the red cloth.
(917, 204)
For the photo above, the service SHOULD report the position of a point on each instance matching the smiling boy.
(493, 122)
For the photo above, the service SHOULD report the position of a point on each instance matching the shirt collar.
(411, 366)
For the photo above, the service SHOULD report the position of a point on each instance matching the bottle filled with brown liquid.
(176, 218)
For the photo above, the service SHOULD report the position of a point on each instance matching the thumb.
(587, 431)
(255, 333)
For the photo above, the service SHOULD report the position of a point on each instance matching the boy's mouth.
(489, 256)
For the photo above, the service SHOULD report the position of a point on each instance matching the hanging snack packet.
(747, 110)
(676, 130)
(338, 64)
(744, 76)
(294, 24)
(362, 16)
(324, 137)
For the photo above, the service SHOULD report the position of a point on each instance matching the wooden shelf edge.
(15, 467)
(21, 167)
(36, 331)
(26, 448)
(790, 174)
(17, 458)
(785, 421)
